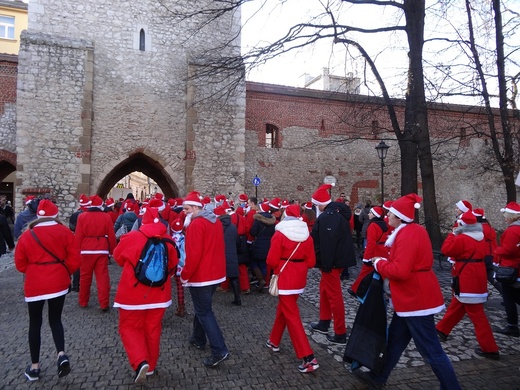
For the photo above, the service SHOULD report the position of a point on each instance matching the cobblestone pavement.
(98, 359)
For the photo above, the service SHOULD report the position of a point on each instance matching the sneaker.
(150, 373)
(366, 377)
(319, 327)
(246, 291)
(274, 348)
(442, 336)
(140, 373)
(32, 375)
(512, 331)
(63, 366)
(309, 366)
(214, 361)
(489, 355)
(194, 343)
(337, 339)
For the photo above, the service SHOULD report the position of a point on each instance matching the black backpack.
(152, 267)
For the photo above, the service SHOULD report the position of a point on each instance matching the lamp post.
(382, 149)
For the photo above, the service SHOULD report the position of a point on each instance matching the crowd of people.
(246, 241)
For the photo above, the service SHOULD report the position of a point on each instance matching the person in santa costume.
(334, 251)
(508, 255)
(490, 237)
(377, 233)
(292, 249)
(47, 254)
(204, 269)
(97, 240)
(466, 247)
(415, 294)
(141, 307)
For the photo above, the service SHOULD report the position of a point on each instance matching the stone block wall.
(136, 100)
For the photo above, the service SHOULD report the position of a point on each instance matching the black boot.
(260, 277)
(233, 282)
(322, 326)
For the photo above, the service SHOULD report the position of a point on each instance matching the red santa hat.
(151, 215)
(322, 195)
(172, 202)
(275, 203)
(264, 207)
(96, 201)
(220, 198)
(388, 204)
(84, 200)
(377, 211)
(478, 213)
(293, 210)
(284, 204)
(159, 196)
(220, 210)
(404, 207)
(177, 225)
(192, 199)
(46, 209)
(28, 199)
(206, 200)
(467, 218)
(512, 208)
(308, 205)
(110, 202)
(464, 205)
(131, 206)
(243, 198)
(157, 203)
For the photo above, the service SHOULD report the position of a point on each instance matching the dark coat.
(262, 230)
(332, 238)
(26, 216)
(6, 238)
(232, 242)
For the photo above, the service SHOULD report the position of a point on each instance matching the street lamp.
(382, 149)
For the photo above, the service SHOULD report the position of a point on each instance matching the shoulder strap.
(295, 249)
(58, 260)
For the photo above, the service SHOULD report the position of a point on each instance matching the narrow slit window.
(142, 40)
(271, 136)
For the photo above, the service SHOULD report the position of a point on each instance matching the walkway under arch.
(141, 163)
(7, 163)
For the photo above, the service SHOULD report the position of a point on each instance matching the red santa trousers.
(331, 300)
(97, 265)
(243, 279)
(476, 314)
(288, 315)
(140, 332)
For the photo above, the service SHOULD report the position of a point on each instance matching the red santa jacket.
(131, 294)
(376, 239)
(249, 224)
(95, 233)
(467, 243)
(414, 287)
(240, 222)
(45, 277)
(205, 262)
(508, 252)
(289, 232)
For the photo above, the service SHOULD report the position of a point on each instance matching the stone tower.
(106, 88)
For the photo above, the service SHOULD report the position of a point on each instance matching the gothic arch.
(139, 161)
(7, 163)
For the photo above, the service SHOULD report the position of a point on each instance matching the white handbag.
(273, 284)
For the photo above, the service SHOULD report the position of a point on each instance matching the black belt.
(295, 260)
(469, 261)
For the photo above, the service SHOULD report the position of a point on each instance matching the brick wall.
(8, 78)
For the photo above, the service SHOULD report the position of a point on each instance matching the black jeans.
(35, 324)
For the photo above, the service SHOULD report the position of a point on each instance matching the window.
(141, 40)
(271, 136)
(6, 27)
